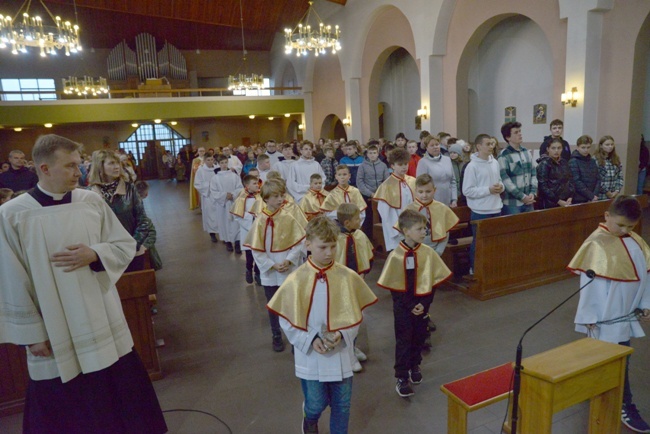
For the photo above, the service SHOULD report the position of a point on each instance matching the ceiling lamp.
(33, 33)
(244, 81)
(304, 38)
(85, 86)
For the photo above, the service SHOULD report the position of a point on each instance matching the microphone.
(591, 274)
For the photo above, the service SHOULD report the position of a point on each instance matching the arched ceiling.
(187, 24)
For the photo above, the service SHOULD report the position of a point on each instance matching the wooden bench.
(523, 251)
(475, 392)
(456, 254)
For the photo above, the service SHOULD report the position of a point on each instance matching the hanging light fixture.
(32, 32)
(305, 38)
(85, 86)
(244, 81)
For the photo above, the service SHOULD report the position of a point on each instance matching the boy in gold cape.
(320, 307)
(241, 211)
(314, 198)
(411, 272)
(276, 240)
(343, 193)
(620, 258)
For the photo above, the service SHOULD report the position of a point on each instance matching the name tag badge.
(410, 263)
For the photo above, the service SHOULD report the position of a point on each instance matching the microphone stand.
(517, 382)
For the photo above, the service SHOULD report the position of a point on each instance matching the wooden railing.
(145, 93)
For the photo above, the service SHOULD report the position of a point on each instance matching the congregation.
(302, 215)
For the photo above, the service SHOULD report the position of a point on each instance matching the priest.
(61, 252)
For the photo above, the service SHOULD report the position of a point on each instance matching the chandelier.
(244, 81)
(305, 38)
(32, 32)
(85, 86)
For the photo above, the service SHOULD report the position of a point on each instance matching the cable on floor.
(199, 411)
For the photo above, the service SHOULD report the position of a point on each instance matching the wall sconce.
(301, 127)
(423, 113)
(570, 97)
(347, 122)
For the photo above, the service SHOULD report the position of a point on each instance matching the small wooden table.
(586, 369)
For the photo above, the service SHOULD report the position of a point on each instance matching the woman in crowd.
(609, 167)
(109, 180)
(439, 167)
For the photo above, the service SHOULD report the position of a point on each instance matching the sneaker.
(229, 247)
(249, 276)
(278, 344)
(308, 426)
(360, 355)
(356, 367)
(258, 279)
(416, 375)
(403, 388)
(632, 419)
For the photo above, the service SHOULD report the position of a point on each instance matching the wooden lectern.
(586, 369)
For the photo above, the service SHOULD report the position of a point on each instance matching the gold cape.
(312, 201)
(347, 296)
(195, 197)
(239, 207)
(440, 217)
(390, 191)
(607, 255)
(429, 270)
(289, 231)
(338, 196)
(362, 247)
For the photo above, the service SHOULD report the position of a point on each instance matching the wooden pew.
(134, 289)
(523, 251)
(456, 254)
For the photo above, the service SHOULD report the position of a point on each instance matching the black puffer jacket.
(554, 181)
(585, 177)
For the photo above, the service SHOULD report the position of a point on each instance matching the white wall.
(513, 67)
(400, 90)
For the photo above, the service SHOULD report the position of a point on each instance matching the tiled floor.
(218, 356)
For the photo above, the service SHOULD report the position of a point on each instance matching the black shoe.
(237, 247)
(453, 241)
(416, 375)
(309, 426)
(213, 237)
(258, 279)
(249, 276)
(229, 247)
(632, 419)
(431, 325)
(278, 344)
(403, 388)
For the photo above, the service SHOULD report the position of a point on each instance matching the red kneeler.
(474, 392)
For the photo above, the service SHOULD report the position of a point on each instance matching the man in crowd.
(18, 177)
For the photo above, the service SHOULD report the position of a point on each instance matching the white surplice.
(220, 185)
(334, 365)
(299, 177)
(234, 163)
(202, 179)
(607, 299)
(79, 312)
(283, 167)
(389, 216)
(265, 260)
(246, 221)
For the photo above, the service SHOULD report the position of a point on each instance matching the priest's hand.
(41, 350)
(74, 257)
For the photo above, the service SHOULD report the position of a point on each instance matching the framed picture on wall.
(539, 114)
(511, 114)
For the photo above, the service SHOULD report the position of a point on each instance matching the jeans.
(269, 292)
(627, 391)
(472, 247)
(336, 394)
(514, 209)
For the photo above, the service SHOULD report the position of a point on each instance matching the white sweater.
(480, 175)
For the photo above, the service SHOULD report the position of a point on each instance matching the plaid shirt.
(329, 166)
(611, 178)
(518, 175)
